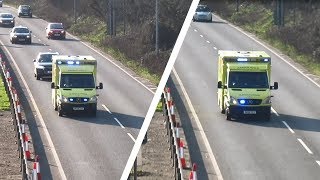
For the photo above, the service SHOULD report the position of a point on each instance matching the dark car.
(43, 65)
(24, 10)
(7, 19)
(55, 30)
(20, 34)
(1, 3)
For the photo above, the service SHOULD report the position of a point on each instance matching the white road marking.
(131, 137)
(50, 49)
(203, 135)
(159, 91)
(215, 48)
(46, 132)
(285, 123)
(318, 162)
(208, 41)
(274, 111)
(105, 107)
(39, 40)
(195, 30)
(123, 70)
(201, 35)
(119, 123)
(34, 36)
(305, 146)
(272, 51)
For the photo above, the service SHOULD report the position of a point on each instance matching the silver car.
(203, 13)
(43, 65)
(7, 19)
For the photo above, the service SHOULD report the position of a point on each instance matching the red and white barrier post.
(173, 116)
(182, 159)
(193, 173)
(177, 133)
(26, 147)
(36, 175)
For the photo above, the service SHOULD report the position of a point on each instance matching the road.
(79, 147)
(287, 147)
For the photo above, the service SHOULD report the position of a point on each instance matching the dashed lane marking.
(285, 123)
(305, 146)
(119, 123)
(131, 137)
(105, 107)
(201, 35)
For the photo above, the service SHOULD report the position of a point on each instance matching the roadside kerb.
(177, 146)
(18, 122)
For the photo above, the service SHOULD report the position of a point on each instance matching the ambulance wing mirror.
(219, 85)
(100, 86)
(53, 86)
(275, 86)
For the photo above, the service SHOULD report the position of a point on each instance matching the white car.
(43, 65)
(203, 13)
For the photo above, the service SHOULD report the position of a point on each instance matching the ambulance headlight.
(232, 100)
(93, 99)
(242, 101)
(266, 100)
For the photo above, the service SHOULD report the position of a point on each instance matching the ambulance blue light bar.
(242, 59)
(247, 59)
(76, 62)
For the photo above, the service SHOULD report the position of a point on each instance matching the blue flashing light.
(242, 101)
(77, 62)
(70, 62)
(242, 59)
(71, 99)
(266, 60)
(85, 100)
(59, 62)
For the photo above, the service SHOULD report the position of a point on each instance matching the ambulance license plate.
(78, 108)
(249, 112)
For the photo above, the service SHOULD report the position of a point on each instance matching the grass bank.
(4, 100)
(262, 26)
(97, 37)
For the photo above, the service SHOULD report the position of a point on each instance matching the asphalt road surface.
(79, 147)
(287, 147)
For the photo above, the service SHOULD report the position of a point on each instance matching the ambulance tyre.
(60, 112)
(268, 116)
(228, 115)
(93, 112)
(223, 111)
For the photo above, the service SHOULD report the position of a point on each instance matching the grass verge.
(4, 100)
(96, 36)
(261, 27)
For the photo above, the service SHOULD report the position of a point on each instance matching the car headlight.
(232, 100)
(51, 31)
(62, 31)
(12, 21)
(0, 21)
(266, 100)
(93, 99)
(28, 36)
(15, 36)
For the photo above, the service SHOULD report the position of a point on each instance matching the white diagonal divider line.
(156, 97)
(318, 162)
(200, 128)
(305, 146)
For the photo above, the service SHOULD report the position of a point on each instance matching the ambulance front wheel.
(228, 115)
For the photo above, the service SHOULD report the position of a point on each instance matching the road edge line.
(48, 137)
(197, 120)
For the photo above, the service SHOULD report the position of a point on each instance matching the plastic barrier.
(18, 122)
